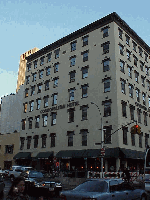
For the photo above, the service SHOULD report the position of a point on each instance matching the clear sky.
(33, 23)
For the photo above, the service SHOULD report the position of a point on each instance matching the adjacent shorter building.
(106, 63)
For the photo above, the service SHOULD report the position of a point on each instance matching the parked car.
(2, 186)
(39, 185)
(14, 172)
(26, 168)
(102, 189)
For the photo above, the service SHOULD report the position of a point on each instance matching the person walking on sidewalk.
(126, 174)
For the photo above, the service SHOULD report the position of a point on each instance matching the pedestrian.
(17, 190)
(126, 174)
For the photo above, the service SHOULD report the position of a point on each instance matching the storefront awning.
(45, 155)
(133, 154)
(23, 155)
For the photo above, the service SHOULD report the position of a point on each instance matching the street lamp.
(102, 136)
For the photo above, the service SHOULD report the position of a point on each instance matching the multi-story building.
(106, 63)
(22, 67)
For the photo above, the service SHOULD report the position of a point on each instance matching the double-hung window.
(106, 65)
(73, 46)
(53, 118)
(84, 90)
(71, 94)
(107, 85)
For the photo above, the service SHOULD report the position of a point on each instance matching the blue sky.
(34, 23)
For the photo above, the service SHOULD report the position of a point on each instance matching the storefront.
(23, 158)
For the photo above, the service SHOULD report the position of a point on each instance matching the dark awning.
(45, 155)
(133, 154)
(23, 155)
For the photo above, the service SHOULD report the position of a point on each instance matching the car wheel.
(143, 197)
(12, 178)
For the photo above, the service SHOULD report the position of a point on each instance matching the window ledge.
(84, 119)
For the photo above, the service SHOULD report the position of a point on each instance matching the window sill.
(84, 119)
(84, 97)
(71, 122)
(107, 51)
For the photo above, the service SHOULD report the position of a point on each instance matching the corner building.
(105, 62)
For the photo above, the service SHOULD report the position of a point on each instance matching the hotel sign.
(54, 108)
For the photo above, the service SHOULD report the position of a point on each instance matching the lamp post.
(102, 136)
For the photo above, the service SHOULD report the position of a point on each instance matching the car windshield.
(92, 186)
(34, 174)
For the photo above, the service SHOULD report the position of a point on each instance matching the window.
(107, 85)
(143, 81)
(32, 90)
(133, 139)
(124, 113)
(85, 56)
(105, 47)
(146, 139)
(42, 61)
(105, 32)
(71, 115)
(147, 70)
(146, 57)
(22, 143)
(70, 138)
(72, 76)
(56, 53)
(148, 85)
(37, 121)
(45, 117)
(121, 49)
(132, 112)
(134, 46)
(26, 92)
(52, 135)
(85, 40)
(40, 74)
(71, 94)
(122, 66)
(25, 107)
(140, 140)
(29, 142)
(107, 134)
(27, 79)
(48, 71)
(23, 124)
(46, 85)
(140, 51)
(38, 103)
(129, 71)
(39, 88)
(142, 66)
(53, 118)
(31, 106)
(73, 46)
(84, 109)
(54, 99)
(9, 149)
(44, 136)
(136, 76)
(34, 77)
(130, 90)
(84, 136)
(84, 90)
(107, 109)
(29, 67)
(120, 33)
(45, 101)
(123, 86)
(128, 55)
(106, 65)
(56, 67)
(145, 118)
(138, 94)
(144, 98)
(72, 61)
(30, 122)
(35, 64)
(55, 82)
(84, 72)
(125, 131)
(139, 115)
(135, 60)
(36, 137)
(49, 57)
(127, 40)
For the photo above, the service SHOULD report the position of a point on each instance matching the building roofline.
(86, 29)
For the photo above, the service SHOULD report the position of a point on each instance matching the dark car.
(37, 184)
(102, 189)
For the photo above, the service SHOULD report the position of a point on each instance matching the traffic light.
(136, 129)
